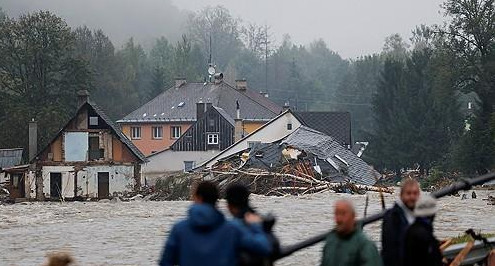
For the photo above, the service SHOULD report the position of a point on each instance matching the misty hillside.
(145, 20)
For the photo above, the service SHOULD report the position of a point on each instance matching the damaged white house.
(88, 158)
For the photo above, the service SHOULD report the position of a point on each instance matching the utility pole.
(266, 59)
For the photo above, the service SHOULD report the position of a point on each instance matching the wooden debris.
(297, 179)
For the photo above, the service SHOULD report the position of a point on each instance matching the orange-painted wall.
(252, 126)
(147, 144)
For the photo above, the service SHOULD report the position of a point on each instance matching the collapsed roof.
(327, 157)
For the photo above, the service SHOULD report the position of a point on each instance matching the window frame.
(214, 136)
(172, 132)
(138, 130)
(156, 129)
(92, 119)
(193, 164)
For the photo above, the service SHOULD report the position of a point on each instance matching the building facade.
(89, 158)
(156, 125)
(213, 131)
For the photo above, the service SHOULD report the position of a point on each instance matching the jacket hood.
(205, 216)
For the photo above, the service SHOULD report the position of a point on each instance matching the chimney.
(286, 106)
(179, 82)
(218, 78)
(82, 97)
(200, 109)
(33, 139)
(241, 84)
(238, 124)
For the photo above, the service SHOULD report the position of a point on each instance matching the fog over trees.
(409, 100)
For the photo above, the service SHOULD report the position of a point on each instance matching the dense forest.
(410, 102)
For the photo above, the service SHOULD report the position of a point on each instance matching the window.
(289, 126)
(93, 120)
(95, 152)
(175, 132)
(188, 166)
(135, 133)
(157, 132)
(213, 138)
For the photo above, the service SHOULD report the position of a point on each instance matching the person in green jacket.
(347, 245)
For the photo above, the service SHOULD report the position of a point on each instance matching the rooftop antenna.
(211, 67)
(209, 60)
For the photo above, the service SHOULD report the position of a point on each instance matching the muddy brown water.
(133, 233)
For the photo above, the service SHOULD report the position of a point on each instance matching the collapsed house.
(303, 161)
(88, 158)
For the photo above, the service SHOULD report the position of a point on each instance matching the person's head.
(237, 197)
(345, 217)
(206, 192)
(409, 193)
(426, 207)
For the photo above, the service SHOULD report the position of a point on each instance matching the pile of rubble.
(268, 183)
(306, 161)
(4, 195)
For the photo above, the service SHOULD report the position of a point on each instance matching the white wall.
(121, 179)
(276, 130)
(30, 184)
(170, 161)
(67, 189)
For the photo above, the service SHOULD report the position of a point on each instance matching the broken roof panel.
(179, 103)
(324, 146)
(10, 157)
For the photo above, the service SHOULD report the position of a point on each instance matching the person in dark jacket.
(421, 246)
(237, 196)
(206, 238)
(396, 221)
(347, 245)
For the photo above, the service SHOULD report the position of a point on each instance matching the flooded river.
(133, 233)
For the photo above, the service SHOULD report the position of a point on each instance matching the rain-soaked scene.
(229, 132)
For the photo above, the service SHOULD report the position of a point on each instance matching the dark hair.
(237, 195)
(208, 192)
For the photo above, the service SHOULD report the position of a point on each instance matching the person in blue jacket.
(206, 238)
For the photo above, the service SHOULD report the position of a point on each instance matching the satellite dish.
(211, 70)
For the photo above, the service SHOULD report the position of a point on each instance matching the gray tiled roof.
(10, 157)
(334, 124)
(225, 115)
(324, 146)
(179, 104)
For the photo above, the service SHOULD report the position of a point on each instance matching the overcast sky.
(350, 27)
